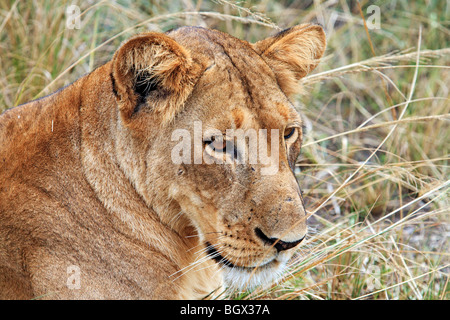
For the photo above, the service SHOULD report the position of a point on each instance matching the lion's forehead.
(207, 46)
(242, 76)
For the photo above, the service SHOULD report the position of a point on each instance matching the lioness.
(92, 203)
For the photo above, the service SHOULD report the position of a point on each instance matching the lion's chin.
(248, 278)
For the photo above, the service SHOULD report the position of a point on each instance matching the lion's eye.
(288, 132)
(217, 144)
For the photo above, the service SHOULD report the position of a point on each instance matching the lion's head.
(182, 91)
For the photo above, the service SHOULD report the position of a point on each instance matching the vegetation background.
(374, 166)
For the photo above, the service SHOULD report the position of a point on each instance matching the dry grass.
(374, 167)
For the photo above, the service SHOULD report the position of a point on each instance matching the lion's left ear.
(151, 71)
(292, 54)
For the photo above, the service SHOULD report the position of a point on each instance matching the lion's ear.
(292, 54)
(151, 71)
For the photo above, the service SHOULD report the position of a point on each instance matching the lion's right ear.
(292, 54)
(151, 71)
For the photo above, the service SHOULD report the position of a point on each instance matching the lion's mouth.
(221, 260)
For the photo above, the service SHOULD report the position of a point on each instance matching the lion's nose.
(278, 244)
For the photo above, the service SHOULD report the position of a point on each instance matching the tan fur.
(87, 178)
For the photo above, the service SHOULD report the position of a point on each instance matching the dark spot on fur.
(113, 81)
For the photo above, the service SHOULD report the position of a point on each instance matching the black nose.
(280, 245)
